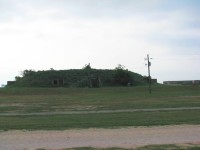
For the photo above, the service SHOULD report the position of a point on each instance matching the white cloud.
(64, 35)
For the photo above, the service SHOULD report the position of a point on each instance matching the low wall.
(186, 82)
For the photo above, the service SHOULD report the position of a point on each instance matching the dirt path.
(123, 137)
(98, 111)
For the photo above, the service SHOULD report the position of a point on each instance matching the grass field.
(16, 103)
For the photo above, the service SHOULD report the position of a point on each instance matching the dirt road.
(123, 137)
(97, 111)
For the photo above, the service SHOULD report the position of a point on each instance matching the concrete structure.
(154, 81)
(58, 82)
(184, 82)
(10, 82)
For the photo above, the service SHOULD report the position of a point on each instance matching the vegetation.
(149, 147)
(170, 147)
(95, 120)
(17, 104)
(86, 77)
(30, 100)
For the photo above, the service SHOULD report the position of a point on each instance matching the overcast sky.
(67, 34)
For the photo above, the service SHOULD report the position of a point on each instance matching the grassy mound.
(78, 78)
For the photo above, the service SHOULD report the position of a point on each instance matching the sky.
(67, 34)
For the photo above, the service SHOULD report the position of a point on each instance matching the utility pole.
(149, 75)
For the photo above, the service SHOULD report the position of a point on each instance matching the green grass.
(62, 99)
(34, 100)
(110, 120)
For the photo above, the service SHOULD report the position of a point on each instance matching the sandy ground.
(123, 137)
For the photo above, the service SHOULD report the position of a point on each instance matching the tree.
(122, 67)
(122, 76)
(27, 72)
(87, 66)
(17, 78)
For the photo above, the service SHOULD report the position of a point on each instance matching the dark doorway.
(58, 82)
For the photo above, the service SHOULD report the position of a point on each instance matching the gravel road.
(123, 137)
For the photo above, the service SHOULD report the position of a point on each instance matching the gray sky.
(67, 34)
